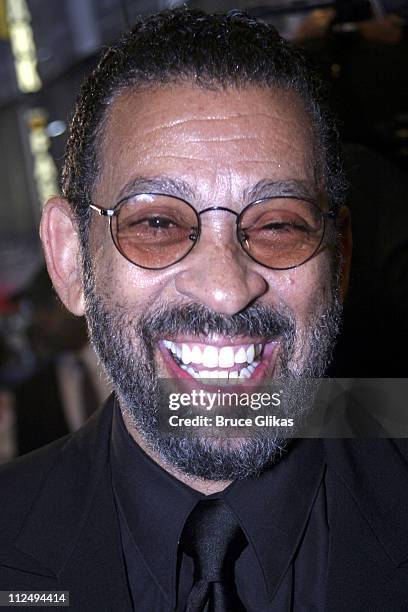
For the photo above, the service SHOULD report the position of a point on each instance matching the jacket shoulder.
(54, 472)
(21, 480)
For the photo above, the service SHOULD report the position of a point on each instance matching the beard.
(126, 345)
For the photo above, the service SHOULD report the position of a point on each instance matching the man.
(221, 251)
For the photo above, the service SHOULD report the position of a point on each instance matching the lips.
(217, 362)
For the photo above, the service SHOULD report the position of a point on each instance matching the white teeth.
(223, 377)
(190, 370)
(241, 355)
(196, 356)
(220, 375)
(185, 354)
(226, 357)
(193, 373)
(210, 357)
(245, 373)
(212, 374)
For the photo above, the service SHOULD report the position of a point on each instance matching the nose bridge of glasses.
(222, 208)
(218, 226)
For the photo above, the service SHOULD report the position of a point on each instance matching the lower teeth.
(221, 375)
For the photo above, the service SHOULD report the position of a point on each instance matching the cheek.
(123, 284)
(304, 289)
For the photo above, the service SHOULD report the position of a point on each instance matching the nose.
(221, 276)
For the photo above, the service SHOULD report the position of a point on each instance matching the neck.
(207, 487)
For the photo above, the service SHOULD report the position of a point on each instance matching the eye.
(285, 226)
(157, 222)
(280, 219)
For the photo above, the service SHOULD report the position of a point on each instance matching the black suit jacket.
(59, 529)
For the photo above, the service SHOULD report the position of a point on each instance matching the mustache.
(257, 320)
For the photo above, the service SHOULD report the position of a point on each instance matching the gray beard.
(125, 344)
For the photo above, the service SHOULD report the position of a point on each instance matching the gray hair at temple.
(221, 50)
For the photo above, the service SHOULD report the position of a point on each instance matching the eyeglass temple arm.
(104, 212)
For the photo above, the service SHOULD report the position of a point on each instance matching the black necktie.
(214, 539)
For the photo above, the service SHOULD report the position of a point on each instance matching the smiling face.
(216, 313)
(212, 148)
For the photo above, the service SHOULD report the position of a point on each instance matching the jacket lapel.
(95, 573)
(367, 493)
(71, 532)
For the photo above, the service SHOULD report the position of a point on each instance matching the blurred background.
(49, 378)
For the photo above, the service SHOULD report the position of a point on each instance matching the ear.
(343, 223)
(61, 244)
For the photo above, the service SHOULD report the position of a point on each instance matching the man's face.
(219, 145)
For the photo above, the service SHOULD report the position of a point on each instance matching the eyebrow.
(165, 185)
(177, 187)
(271, 189)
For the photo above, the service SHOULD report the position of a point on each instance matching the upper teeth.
(211, 356)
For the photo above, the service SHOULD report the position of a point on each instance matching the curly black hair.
(220, 50)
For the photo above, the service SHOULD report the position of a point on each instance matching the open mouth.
(219, 363)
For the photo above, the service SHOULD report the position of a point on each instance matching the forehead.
(220, 142)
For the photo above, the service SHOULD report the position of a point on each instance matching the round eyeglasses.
(155, 230)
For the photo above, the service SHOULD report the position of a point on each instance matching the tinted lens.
(282, 232)
(154, 231)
